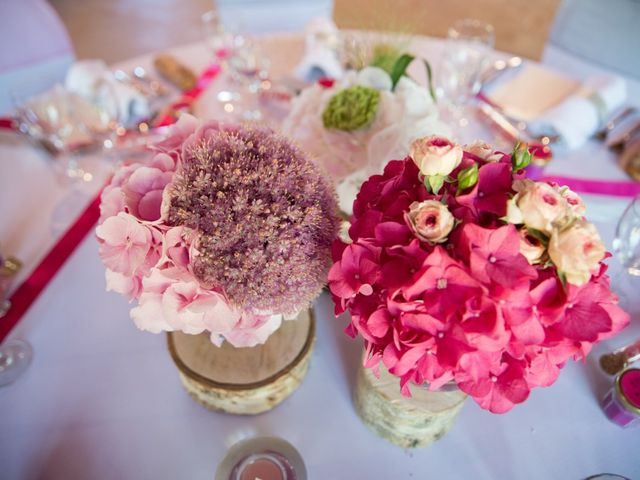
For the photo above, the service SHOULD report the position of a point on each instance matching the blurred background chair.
(606, 33)
(522, 26)
(36, 50)
(115, 30)
(260, 16)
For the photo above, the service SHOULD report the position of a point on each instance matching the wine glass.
(218, 39)
(15, 358)
(66, 124)
(250, 69)
(15, 355)
(469, 42)
(626, 244)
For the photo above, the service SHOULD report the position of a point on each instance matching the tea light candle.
(622, 403)
(263, 466)
(262, 458)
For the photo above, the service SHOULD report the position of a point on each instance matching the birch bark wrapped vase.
(246, 380)
(223, 234)
(408, 422)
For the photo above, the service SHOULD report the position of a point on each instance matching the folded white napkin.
(93, 81)
(552, 103)
(581, 114)
(321, 45)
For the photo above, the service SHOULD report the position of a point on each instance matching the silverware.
(615, 119)
(513, 128)
(623, 129)
(497, 69)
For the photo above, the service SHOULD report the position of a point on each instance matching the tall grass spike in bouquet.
(458, 268)
(223, 228)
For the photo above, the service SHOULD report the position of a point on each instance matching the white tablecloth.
(102, 400)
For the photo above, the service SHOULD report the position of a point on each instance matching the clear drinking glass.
(218, 39)
(626, 244)
(249, 68)
(469, 42)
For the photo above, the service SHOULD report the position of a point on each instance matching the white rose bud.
(514, 215)
(577, 251)
(435, 155)
(431, 221)
(531, 248)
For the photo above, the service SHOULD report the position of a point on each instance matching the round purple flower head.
(264, 215)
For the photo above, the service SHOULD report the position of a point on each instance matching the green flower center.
(351, 108)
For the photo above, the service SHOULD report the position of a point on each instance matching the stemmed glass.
(245, 62)
(469, 42)
(249, 68)
(15, 355)
(626, 244)
(67, 125)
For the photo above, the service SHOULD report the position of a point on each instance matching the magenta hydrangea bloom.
(480, 305)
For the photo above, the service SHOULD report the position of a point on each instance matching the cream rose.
(531, 248)
(576, 204)
(431, 221)
(540, 206)
(576, 251)
(435, 155)
(483, 150)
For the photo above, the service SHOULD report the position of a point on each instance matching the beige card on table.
(534, 90)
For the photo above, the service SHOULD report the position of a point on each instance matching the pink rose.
(125, 244)
(435, 155)
(531, 248)
(539, 206)
(577, 251)
(430, 220)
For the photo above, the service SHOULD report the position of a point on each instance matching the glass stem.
(5, 360)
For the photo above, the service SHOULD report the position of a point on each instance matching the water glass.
(469, 42)
(218, 39)
(626, 244)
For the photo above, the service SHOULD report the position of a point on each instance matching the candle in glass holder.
(622, 403)
(262, 458)
(263, 466)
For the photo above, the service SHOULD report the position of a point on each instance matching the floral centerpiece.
(223, 228)
(351, 127)
(457, 268)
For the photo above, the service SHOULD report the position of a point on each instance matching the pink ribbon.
(612, 188)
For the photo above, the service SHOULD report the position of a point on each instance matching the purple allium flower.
(265, 216)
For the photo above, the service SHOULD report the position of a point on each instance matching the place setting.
(345, 251)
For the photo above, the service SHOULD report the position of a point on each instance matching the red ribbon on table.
(31, 288)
